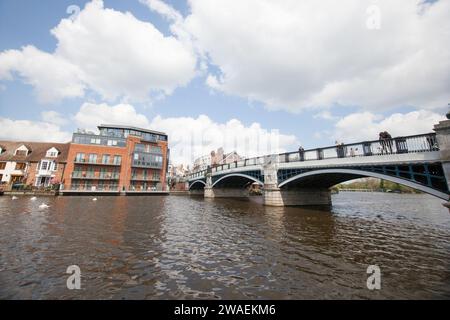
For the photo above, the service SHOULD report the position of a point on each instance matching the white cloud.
(294, 55)
(326, 115)
(24, 130)
(51, 76)
(91, 115)
(194, 137)
(107, 51)
(366, 125)
(54, 117)
(189, 137)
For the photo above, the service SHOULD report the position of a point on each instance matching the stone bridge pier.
(280, 197)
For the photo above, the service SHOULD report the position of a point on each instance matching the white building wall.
(10, 170)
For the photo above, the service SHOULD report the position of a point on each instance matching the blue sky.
(314, 103)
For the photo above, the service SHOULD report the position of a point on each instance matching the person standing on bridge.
(301, 153)
(382, 139)
(388, 138)
(340, 149)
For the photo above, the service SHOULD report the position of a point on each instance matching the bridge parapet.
(422, 143)
(304, 176)
(442, 130)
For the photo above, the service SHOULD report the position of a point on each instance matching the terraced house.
(118, 158)
(34, 164)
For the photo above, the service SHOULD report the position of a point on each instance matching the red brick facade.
(111, 176)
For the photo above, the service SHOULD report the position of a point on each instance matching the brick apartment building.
(119, 158)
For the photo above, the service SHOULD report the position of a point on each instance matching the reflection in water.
(188, 248)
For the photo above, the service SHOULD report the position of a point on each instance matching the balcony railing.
(146, 164)
(97, 162)
(136, 188)
(109, 176)
(145, 179)
(93, 176)
(92, 188)
(397, 145)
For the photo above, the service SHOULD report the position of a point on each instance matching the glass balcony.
(145, 164)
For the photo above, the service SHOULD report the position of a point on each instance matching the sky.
(255, 76)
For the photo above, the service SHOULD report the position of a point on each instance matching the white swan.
(14, 198)
(43, 206)
(33, 198)
(95, 199)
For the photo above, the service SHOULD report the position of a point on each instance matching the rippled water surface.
(185, 247)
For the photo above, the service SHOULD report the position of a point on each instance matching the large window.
(79, 157)
(92, 158)
(44, 165)
(90, 173)
(21, 166)
(48, 165)
(117, 160)
(105, 159)
(112, 142)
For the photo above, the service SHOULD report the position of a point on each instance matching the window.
(103, 173)
(117, 160)
(21, 152)
(105, 159)
(90, 173)
(79, 157)
(156, 149)
(155, 175)
(2, 165)
(44, 165)
(112, 142)
(136, 156)
(95, 141)
(21, 166)
(92, 158)
(52, 153)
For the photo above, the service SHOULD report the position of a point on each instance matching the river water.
(181, 247)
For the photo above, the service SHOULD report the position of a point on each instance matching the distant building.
(177, 177)
(219, 157)
(118, 158)
(202, 163)
(231, 157)
(37, 164)
(215, 158)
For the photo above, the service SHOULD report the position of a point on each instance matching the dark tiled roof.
(38, 151)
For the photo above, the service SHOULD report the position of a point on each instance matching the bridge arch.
(341, 175)
(198, 182)
(239, 175)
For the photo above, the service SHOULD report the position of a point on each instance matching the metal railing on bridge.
(397, 145)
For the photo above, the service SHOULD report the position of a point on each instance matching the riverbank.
(81, 193)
